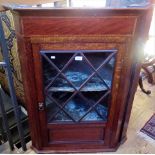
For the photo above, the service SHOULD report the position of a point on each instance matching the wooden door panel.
(55, 134)
(76, 133)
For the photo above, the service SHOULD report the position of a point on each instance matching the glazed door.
(76, 90)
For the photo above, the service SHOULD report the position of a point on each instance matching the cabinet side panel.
(25, 55)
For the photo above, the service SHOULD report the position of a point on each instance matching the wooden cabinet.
(80, 69)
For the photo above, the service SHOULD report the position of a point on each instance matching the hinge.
(41, 106)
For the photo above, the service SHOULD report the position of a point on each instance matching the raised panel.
(76, 133)
(77, 26)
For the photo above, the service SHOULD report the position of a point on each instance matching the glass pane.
(75, 87)
(61, 97)
(60, 84)
(59, 59)
(97, 58)
(77, 108)
(95, 84)
(99, 114)
(106, 72)
(78, 71)
(100, 111)
(102, 107)
(92, 116)
(103, 111)
(54, 113)
(51, 108)
(62, 116)
(93, 96)
(49, 72)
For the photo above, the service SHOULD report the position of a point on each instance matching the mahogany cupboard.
(80, 68)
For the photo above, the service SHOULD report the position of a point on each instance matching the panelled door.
(75, 92)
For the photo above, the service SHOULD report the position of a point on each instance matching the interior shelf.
(94, 84)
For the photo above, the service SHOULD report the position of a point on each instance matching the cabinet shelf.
(95, 87)
(95, 84)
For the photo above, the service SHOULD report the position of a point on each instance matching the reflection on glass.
(77, 87)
